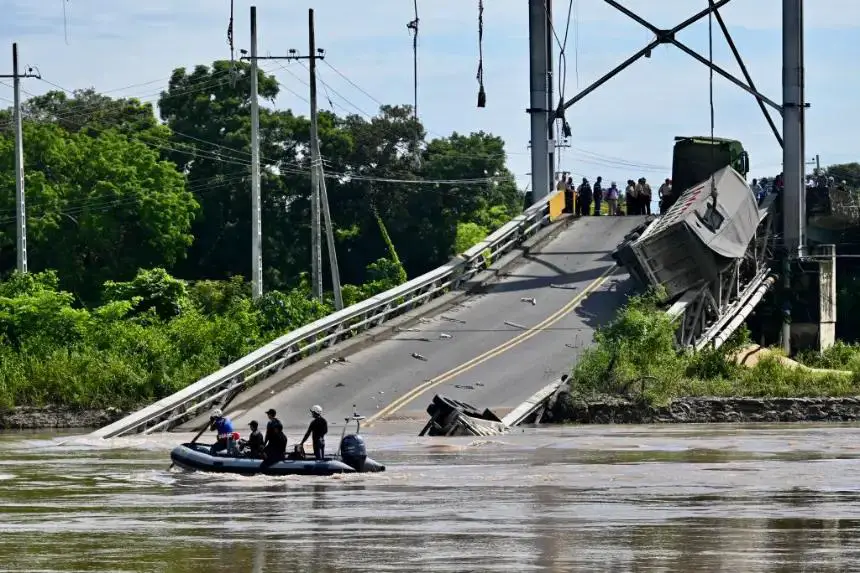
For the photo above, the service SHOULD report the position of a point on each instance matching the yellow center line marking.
(493, 352)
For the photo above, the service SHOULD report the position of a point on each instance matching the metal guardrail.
(330, 330)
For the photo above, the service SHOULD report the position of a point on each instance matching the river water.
(624, 498)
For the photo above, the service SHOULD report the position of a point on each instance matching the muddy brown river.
(632, 498)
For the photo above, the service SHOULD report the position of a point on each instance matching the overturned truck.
(699, 237)
(705, 253)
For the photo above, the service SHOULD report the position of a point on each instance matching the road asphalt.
(493, 350)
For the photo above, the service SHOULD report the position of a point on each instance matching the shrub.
(635, 357)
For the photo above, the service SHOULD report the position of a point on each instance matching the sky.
(623, 130)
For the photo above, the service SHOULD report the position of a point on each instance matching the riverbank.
(567, 408)
(52, 417)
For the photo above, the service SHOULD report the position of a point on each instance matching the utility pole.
(20, 206)
(319, 195)
(256, 223)
(540, 72)
(318, 191)
(793, 158)
(316, 247)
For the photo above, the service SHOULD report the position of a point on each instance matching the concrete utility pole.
(793, 152)
(316, 247)
(317, 178)
(319, 195)
(256, 223)
(540, 73)
(20, 207)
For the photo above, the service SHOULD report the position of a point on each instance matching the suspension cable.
(233, 73)
(413, 27)
(482, 95)
(711, 95)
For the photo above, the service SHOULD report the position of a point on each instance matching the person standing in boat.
(224, 427)
(255, 441)
(275, 447)
(274, 425)
(318, 428)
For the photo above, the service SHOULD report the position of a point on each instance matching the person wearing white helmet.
(224, 427)
(318, 428)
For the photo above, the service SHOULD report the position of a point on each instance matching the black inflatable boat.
(351, 458)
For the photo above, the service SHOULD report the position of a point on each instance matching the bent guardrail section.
(334, 328)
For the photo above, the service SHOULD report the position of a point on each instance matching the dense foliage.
(112, 190)
(635, 356)
(152, 336)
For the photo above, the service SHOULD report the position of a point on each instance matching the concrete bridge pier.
(827, 297)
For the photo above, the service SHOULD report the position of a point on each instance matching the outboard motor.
(353, 451)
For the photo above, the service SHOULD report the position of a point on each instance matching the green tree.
(90, 112)
(208, 110)
(99, 208)
(848, 172)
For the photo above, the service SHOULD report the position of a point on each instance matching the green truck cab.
(694, 159)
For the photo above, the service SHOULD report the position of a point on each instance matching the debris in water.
(339, 384)
(515, 325)
(479, 383)
(570, 346)
(419, 356)
(530, 299)
(453, 319)
(464, 386)
(444, 335)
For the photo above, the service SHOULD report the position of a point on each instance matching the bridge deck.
(485, 362)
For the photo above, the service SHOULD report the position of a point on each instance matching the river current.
(622, 498)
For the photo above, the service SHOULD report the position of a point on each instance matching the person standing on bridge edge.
(318, 428)
(643, 193)
(665, 194)
(630, 201)
(612, 199)
(583, 198)
(598, 196)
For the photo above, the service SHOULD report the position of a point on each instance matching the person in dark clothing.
(583, 202)
(275, 446)
(598, 196)
(318, 428)
(255, 441)
(273, 424)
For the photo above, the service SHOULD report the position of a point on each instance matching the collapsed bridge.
(710, 255)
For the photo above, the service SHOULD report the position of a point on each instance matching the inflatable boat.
(351, 458)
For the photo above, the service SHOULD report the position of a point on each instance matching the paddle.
(209, 422)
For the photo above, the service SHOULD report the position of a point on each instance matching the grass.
(635, 357)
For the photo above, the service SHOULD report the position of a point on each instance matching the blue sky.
(623, 130)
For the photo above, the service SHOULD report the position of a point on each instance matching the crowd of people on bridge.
(272, 447)
(636, 198)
